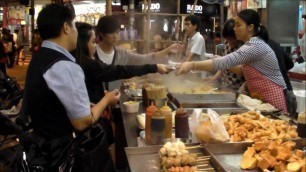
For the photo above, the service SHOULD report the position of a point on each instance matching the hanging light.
(210, 1)
(165, 28)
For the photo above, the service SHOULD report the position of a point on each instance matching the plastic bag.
(212, 129)
(194, 123)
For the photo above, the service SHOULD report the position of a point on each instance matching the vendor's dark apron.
(264, 89)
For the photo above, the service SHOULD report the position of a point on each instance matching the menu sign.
(198, 9)
(155, 7)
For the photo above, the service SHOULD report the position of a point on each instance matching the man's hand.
(112, 97)
(185, 68)
(175, 48)
(163, 69)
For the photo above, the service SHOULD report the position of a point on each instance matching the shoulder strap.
(96, 56)
(115, 56)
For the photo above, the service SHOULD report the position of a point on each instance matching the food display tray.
(146, 159)
(205, 98)
(227, 156)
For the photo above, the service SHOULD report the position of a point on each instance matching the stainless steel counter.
(131, 126)
(130, 123)
(299, 89)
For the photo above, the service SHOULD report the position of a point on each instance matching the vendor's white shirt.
(196, 45)
(66, 79)
(303, 46)
(105, 57)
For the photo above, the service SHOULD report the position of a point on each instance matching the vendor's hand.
(209, 79)
(163, 69)
(175, 48)
(112, 97)
(215, 56)
(185, 68)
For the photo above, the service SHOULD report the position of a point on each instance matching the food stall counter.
(130, 123)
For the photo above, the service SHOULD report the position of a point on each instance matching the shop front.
(89, 12)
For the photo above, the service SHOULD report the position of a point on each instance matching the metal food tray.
(204, 98)
(227, 107)
(146, 159)
(227, 156)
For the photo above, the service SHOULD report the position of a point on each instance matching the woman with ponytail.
(258, 60)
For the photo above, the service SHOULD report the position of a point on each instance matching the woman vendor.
(260, 66)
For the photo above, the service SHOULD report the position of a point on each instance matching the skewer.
(201, 155)
(200, 170)
(207, 169)
(202, 165)
(194, 147)
(203, 159)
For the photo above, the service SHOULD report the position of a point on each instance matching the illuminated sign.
(198, 9)
(155, 7)
(89, 8)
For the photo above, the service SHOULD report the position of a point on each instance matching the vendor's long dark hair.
(252, 17)
(84, 33)
(228, 29)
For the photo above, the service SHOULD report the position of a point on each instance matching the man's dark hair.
(194, 20)
(107, 24)
(51, 19)
(228, 29)
(5, 31)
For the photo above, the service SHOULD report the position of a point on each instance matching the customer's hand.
(163, 69)
(175, 48)
(185, 68)
(112, 97)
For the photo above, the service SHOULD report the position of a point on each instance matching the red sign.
(14, 21)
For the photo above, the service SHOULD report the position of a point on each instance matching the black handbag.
(88, 151)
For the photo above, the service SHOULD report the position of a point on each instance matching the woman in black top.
(97, 72)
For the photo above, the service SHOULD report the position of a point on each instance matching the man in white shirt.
(196, 44)
(303, 43)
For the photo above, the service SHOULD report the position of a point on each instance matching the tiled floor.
(19, 71)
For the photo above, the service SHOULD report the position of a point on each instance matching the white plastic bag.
(212, 130)
(194, 123)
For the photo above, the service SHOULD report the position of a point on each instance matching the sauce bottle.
(157, 127)
(149, 112)
(144, 96)
(301, 126)
(167, 111)
(181, 124)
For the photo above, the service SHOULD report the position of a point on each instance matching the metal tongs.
(173, 102)
(172, 67)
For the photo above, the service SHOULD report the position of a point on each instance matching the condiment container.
(131, 106)
(149, 112)
(167, 111)
(181, 124)
(301, 126)
(157, 128)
